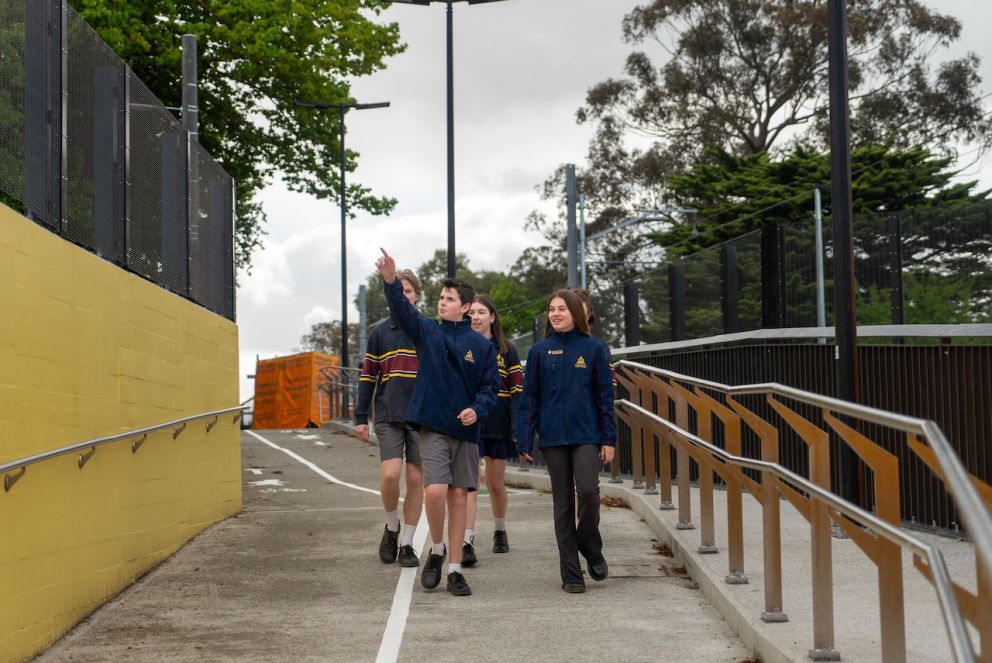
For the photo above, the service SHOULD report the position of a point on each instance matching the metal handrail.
(792, 334)
(957, 480)
(178, 424)
(953, 620)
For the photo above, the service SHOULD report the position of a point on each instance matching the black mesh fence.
(89, 152)
(928, 266)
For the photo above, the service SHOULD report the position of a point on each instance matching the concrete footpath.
(296, 577)
(855, 580)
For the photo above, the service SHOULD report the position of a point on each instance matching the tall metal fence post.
(191, 122)
(729, 289)
(572, 243)
(772, 276)
(363, 312)
(63, 114)
(631, 314)
(895, 267)
(676, 294)
(44, 111)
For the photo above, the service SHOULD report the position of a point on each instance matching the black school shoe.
(388, 546)
(599, 570)
(574, 587)
(431, 575)
(500, 543)
(408, 557)
(469, 557)
(457, 585)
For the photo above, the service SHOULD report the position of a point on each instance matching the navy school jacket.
(457, 369)
(568, 394)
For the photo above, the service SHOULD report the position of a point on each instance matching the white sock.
(499, 524)
(469, 536)
(406, 538)
(454, 568)
(437, 548)
(392, 521)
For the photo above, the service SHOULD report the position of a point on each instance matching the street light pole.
(451, 141)
(450, 59)
(343, 204)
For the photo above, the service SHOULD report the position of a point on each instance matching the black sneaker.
(388, 546)
(468, 554)
(500, 543)
(574, 587)
(431, 575)
(457, 585)
(408, 557)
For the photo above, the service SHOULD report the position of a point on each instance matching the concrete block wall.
(86, 350)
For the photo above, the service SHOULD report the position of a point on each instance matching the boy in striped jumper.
(390, 371)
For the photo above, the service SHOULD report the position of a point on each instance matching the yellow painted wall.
(87, 349)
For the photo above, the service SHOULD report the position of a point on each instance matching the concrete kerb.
(750, 630)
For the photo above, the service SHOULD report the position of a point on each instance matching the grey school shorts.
(449, 460)
(398, 440)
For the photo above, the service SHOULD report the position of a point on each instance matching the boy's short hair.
(466, 293)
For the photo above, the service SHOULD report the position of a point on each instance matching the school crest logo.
(581, 363)
(500, 361)
(469, 357)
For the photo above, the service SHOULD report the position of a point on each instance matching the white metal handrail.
(953, 620)
(178, 426)
(958, 481)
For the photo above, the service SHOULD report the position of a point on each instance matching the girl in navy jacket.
(568, 404)
(497, 440)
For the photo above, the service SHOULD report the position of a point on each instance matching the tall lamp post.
(451, 124)
(343, 204)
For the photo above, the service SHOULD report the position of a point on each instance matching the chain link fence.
(88, 151)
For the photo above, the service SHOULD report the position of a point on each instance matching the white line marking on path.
(312, 466)
(389, 648)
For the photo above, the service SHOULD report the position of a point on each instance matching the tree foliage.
(326, 337)
(733, 195)
(255, 58)
(748, 76)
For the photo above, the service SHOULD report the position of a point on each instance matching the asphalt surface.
(296, 577)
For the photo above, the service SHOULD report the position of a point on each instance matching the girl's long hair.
(495, 328)
(574, 305)
(586, 299)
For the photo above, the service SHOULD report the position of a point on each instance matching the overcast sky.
(522, 68)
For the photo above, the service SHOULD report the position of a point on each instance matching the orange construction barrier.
(288, 391)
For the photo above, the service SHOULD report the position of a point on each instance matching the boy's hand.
(468, 416)
(362, 432)
(386, 266)
(606, 454)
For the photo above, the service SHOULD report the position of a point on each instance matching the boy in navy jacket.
(456, 386)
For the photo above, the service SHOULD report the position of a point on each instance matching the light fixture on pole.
(451, 122)
(342, 109)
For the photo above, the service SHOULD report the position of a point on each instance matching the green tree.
(733, 195)
(748, 76)
(255, 58)
(326, 337)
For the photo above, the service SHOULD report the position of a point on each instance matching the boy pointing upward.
(456, 385)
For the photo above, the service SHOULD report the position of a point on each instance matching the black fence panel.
(96, 143)
(927, 266)
(89, 152)
(948, 384)
(210, 234)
